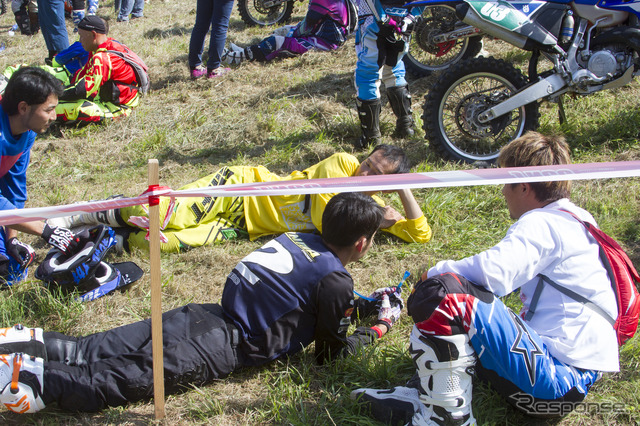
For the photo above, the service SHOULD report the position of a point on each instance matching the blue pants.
(52, 24)
(128, 7)
(372, 64)
(212, 14)
(511, 355)
(17, 273)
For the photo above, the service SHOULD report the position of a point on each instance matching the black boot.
(22, 19)
(35, 22)
(400, 100)
(49, 60)
(369, 113)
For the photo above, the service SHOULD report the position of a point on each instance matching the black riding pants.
(115, 367)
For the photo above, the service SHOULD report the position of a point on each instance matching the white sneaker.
(391, 406)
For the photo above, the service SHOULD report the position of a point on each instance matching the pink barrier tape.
(7, 217)
(422, 180)
(349, 184)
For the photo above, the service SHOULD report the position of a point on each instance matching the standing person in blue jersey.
(53, 26)
(544, 364)
(282, 297)
(27, 108)
(382, 40)
(214, 14)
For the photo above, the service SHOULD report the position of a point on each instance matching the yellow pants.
(83, 111)
(196, 221)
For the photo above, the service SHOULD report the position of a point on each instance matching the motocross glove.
(377, 295)
(61, 238)
(21, 252)
(390, 310)
(398, 26)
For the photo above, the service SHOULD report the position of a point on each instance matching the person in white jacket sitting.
(543, 364)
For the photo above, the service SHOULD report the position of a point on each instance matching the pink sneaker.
(198, 72)
(218, 72)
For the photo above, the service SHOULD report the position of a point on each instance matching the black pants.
(115, 367)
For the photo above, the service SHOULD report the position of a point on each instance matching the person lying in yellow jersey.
(200, 221)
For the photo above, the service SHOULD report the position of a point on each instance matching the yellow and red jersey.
(102, 68)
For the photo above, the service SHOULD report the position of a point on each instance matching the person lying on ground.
(279, 299)
(201, 221)
(325, 27)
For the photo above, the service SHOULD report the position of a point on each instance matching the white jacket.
(551, 242)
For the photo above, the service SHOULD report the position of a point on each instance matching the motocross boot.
(35, 22)
(22, 339)
(22, 17)
(112, 218)
(369, 113)
(442, 392)
(21, 382)
(400, 101)
(77, 16)
(92, 7)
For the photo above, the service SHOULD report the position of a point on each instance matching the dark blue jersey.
(290, 292)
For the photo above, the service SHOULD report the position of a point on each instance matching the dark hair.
(394, 155)
(536, 149)
(31, 85)
(349, 216)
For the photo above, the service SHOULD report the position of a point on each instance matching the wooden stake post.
(156, 296)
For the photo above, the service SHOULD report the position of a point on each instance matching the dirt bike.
(481, 104)
(438, 40)
(265, 12)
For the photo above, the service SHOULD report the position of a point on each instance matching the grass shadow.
(618, 132)
(159, 33)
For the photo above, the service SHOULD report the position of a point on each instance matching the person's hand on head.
(391, 216)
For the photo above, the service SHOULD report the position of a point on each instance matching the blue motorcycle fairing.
(627, 6)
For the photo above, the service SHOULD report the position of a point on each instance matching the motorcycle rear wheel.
(425, 56)
(255, 13)
(460, 95)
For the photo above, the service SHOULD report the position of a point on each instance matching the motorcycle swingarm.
(541, 89)
(460, 33)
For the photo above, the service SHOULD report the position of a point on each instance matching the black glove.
(21, 252)
(4, 268)
(61, 238)
(396, 36)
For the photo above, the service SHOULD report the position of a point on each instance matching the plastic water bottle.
(566, 33)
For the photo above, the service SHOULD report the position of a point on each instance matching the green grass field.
(287, 115)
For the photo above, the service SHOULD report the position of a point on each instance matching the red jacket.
(105, 76)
